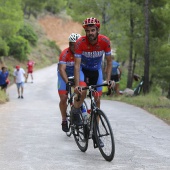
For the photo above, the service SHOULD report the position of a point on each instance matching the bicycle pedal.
(95, 145)
(72, 128)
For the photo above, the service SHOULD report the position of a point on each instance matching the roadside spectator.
(30, 67)
(116, 75)
(4, 78)
(19, 79)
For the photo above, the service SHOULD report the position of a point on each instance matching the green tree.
(11, 17)
(3, 48)
(32, 7)
(19, 47)
(97, 8)
(146, 52)
(55, 6)
(159, 32)
(28, 33)
(124, 23)
(77, 7)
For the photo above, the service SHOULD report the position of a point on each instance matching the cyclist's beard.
(72, 50)
(93, 37)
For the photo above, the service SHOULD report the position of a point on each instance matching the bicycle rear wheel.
(80, 138)
(80, 135)
(103, 132)
(69, 133)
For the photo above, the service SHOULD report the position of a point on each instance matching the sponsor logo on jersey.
(70, 63)
(93, 54)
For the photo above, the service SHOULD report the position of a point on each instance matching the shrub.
(19, 47)
(3, 48)
(53, 45)
(28, 33)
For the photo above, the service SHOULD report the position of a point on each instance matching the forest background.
(138, 30)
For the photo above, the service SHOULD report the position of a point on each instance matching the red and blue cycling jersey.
(91, 55)
(91, 60)
(67, 57)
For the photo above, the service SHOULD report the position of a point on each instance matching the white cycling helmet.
(73, 37)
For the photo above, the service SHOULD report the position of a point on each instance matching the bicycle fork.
(91, 133)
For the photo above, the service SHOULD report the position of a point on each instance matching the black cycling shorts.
(115, 77)
(90, 77)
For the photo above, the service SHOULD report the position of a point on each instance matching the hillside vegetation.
(44, 53)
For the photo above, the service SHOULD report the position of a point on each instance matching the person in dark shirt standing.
(115, 74)
(4, 78)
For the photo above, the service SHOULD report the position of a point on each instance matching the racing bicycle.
(96, 127)
(70, 100)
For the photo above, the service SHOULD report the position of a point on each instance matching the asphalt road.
(31, 137)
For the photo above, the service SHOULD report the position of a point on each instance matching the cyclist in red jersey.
(66, 69)
(30, 66)
(89, 51)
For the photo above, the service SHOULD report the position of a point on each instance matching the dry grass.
(3, 97)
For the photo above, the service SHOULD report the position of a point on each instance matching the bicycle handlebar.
(95, 86)
(92, 87)
(71, 78)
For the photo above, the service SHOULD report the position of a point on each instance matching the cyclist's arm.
(109, 67)
(62, 70)
(77, 62)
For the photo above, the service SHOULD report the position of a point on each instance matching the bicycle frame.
(138, 89)
(93, 107)
(70, 94)
(70, 101)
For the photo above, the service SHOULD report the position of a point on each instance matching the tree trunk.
(130, 77)
(146, 53)
(168, 96)
(134, 64)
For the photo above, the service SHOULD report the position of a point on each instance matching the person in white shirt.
(19, 79)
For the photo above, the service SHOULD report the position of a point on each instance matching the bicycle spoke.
(104, 129)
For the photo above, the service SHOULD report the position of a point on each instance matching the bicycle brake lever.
(109, 89)
(110, 83)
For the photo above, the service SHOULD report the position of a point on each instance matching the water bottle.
(89, 114)
(84, 114)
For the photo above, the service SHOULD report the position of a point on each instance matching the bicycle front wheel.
(68, 111)
(104, 136)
